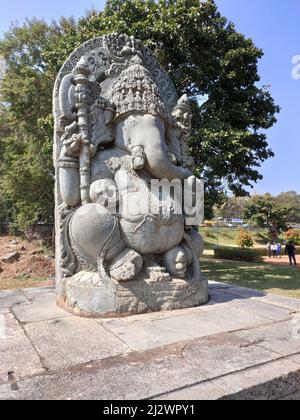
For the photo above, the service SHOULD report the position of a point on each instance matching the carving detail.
(118, 126)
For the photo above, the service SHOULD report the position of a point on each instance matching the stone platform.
(242, 345)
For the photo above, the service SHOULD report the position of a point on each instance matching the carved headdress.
(136, 91)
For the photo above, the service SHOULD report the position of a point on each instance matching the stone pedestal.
(151, 291)
(243, 345)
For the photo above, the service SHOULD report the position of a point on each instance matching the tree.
(205, 57)
(233, 208)
(293, 235)
(2, 68)
(26, 124)
(266, 214)
(244, 239)
(290, 200)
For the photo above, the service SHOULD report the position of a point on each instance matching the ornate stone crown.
(135, 91)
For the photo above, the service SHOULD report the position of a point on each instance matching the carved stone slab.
(119, 126)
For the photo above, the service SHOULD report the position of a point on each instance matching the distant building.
(237, 222)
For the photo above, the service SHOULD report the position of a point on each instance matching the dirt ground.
(35, 266)
(281, 261)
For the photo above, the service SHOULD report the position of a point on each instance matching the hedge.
(243, 254)
(240, 254)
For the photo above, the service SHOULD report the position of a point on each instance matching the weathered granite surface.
(242, 345)
(128, 206)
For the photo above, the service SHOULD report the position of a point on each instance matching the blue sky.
(274, 27)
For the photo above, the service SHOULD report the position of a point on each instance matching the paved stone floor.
(242, 345)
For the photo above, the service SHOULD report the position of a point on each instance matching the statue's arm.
(69, 180)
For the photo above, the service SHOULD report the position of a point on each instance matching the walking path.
(283, 261)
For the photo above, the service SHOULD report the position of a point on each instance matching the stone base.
(242, 345)
(156, 291)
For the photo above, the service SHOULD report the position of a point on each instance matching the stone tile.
(17, 353)
(271, 381)
(205, 391)
(128, 378)
(292, 397)
(4, 311)
(238, 292)
(223, 354)
(284, 302)
(219, 296)
(218, 285)
(245, 293)
(282, 337)
(10, 298)
(183, 354)
(266, 310)
(40, 310)
(71, 341)
(295, 358)
(141, 335)
(39, 293)
(143, 375)
(154, 316)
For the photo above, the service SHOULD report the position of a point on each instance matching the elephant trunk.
(158, 163)
(148, 132)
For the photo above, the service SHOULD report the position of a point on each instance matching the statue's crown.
(136, 91)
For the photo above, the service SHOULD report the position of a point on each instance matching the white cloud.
(296, 68)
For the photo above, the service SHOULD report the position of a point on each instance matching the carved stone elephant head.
(147, 132)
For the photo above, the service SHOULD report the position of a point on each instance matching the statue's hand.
(138, 157)
(105, 193)
(72, 147)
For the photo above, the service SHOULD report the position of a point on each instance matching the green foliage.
(290, 200)
(266, 214)
(239, 254)
(203, 54)
(244, 239)
(26, 125)
(233, 207)
(293, 235)
(269, 278)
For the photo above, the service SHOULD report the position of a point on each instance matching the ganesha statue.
(127, 203)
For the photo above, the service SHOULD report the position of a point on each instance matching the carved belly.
(152, 235)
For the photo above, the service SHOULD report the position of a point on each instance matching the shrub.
(211, 235)
(239, 254)
(244, 239)
(208, 223)
(293, 235)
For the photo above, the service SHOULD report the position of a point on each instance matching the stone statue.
(123, 242)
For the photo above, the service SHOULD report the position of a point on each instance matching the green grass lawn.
(265, 277)
(222, 236)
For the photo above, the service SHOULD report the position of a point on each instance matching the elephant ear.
(182, 113)
(102, 114)
(67, 99)
(180, 131)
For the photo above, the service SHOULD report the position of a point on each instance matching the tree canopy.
(202, 52)
(266, 214)
(286, 204)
